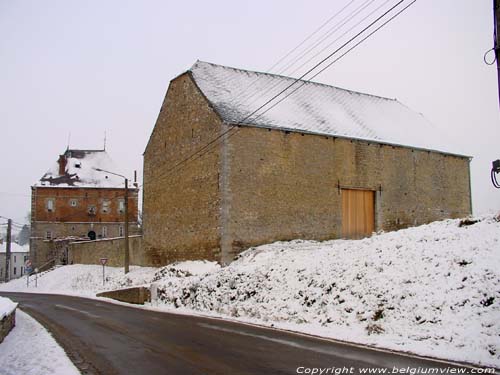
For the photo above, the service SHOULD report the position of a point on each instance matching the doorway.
(358, 213)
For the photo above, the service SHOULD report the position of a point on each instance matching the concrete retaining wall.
(131, 295)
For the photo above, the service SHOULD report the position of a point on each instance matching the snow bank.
(30, 350)
(432, 290)
(6, 307)
(82, 280)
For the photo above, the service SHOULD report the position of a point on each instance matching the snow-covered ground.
(432, 290)
(30, 350)
(82, 280)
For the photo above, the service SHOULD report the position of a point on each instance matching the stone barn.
(324, 163)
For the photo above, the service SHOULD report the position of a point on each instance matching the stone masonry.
(262, 185)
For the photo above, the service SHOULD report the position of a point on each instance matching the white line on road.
(365, 359)
(79, 311)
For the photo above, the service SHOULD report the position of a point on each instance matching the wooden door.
(358, 213)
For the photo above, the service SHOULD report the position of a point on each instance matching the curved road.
(106, 338)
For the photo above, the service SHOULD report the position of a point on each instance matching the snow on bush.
(433, 289)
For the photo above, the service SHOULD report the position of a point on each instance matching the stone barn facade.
(324, 163)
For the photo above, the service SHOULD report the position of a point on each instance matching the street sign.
(104, 261)
(28, 264)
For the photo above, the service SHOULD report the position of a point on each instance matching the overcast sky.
(88, 67)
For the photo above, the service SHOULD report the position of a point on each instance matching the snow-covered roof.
(14, 248)
(314, 108)
(80, 171)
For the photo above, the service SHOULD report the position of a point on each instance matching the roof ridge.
(291, 78)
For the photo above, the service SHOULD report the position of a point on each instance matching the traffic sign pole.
(103, 262)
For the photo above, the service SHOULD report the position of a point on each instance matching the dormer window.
(78, 165)
(50, 205)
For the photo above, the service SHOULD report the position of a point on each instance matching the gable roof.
(79, 171)
(314, 108)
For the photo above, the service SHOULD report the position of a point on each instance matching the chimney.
(62, 165)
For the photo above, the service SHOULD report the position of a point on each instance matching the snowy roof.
(80, 171)
(14, 248)
(314, 108)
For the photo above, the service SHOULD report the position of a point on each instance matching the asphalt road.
(106, 338)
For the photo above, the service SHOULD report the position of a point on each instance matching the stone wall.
(181, 206)
(90, 252)
(287, 185)
(262, 185)
(43, 250)
(6, 324)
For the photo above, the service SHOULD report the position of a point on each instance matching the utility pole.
(127, 253)
(496, 36)
(7, 252)
(496, 47)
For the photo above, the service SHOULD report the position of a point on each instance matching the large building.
(324, 163)
(77, 199)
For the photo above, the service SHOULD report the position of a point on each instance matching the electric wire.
(233, 126)
(268, 70)
(329, 33)
(337, 59)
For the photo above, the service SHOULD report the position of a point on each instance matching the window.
(15, 259)
(104, 232)
(50, 205)
(105, 206)
(73, 202)
(121, 206)
(25, 258)
(48, 235)
(120, 231)
(15, 270)
(92, 210)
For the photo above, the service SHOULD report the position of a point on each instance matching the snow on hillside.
(81, 280)
(432, 290)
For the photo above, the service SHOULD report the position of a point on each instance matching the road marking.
(377, 362)
(76, 310)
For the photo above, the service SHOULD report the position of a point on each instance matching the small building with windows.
(76, 199)
(18, 256)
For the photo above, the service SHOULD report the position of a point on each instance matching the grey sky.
(89, 67)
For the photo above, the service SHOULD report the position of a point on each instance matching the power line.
(205, 149)
(338, 38)
(251, 95)
(337, 59)
(330, 32)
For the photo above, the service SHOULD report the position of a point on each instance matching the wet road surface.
(106, 338)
